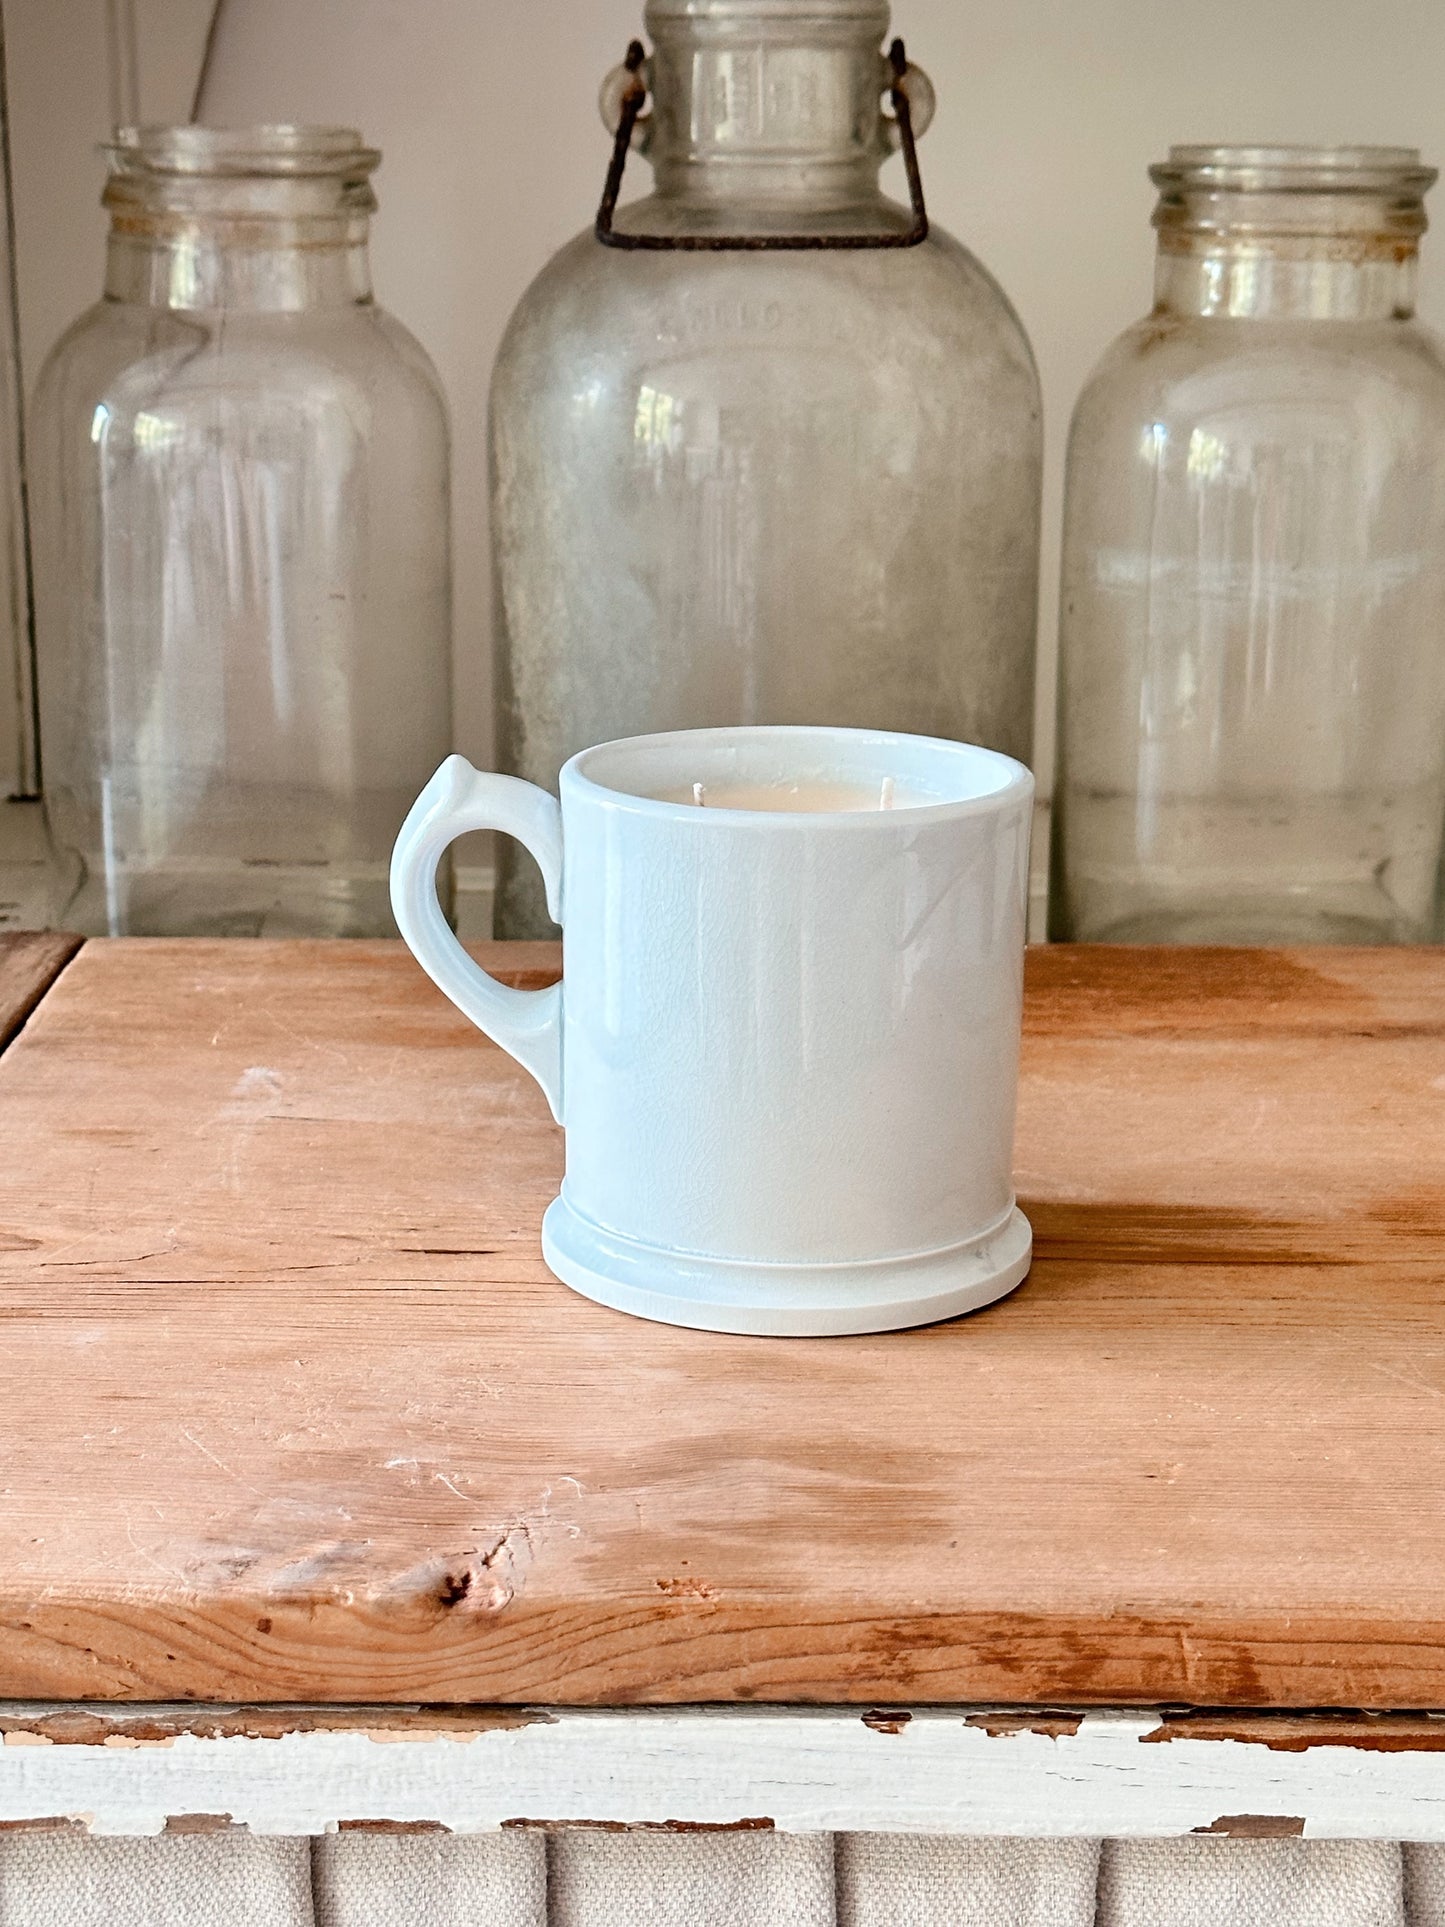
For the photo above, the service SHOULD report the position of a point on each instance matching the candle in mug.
(813, 797)
(789, 1055)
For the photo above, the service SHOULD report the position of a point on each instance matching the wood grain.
(30, 961)
(290, 1408)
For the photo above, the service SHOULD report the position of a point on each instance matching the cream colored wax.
(815, 797)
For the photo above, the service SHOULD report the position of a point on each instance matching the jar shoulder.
(1168, 368)
(126, 357)
(408, 351)
(920, 304)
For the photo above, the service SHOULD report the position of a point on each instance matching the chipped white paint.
(801, 1769)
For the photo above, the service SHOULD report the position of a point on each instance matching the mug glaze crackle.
(785, 1045)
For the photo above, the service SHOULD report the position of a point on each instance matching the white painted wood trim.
(797, 1769)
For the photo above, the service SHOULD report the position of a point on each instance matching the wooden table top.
(290, 1408)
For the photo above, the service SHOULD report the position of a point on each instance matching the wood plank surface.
(30, 961)
(290, 1408)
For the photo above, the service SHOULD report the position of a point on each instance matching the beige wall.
(1049, 112)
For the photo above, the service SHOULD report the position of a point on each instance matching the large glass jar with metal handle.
(1252, 693)
(242, 573)
(741, 482)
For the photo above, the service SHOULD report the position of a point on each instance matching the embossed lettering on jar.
(1252, 685)
(762, 487)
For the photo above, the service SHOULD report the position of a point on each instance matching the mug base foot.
(783, 1301)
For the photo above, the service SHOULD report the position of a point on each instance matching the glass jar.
(1252, 683)
(242, 575)
(738, 486)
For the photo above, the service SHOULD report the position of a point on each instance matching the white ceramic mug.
(785, 1045)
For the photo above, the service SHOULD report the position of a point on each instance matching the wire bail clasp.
(623, 97)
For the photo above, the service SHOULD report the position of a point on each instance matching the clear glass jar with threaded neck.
(242, 558)
(745, 485)
(1252, 678)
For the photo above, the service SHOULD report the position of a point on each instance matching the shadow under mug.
(785, 1044)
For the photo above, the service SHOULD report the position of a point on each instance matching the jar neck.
(191, 264)
(777, 107)
(1284, 281)
(1289, 234)
(267, 219)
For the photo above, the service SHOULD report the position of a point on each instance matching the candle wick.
(885, 796)
(699, 795)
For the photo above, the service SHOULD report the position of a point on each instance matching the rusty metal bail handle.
(631, 106)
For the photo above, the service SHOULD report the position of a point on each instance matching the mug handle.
(526, 1023)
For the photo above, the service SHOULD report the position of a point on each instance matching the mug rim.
(1017, 779)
